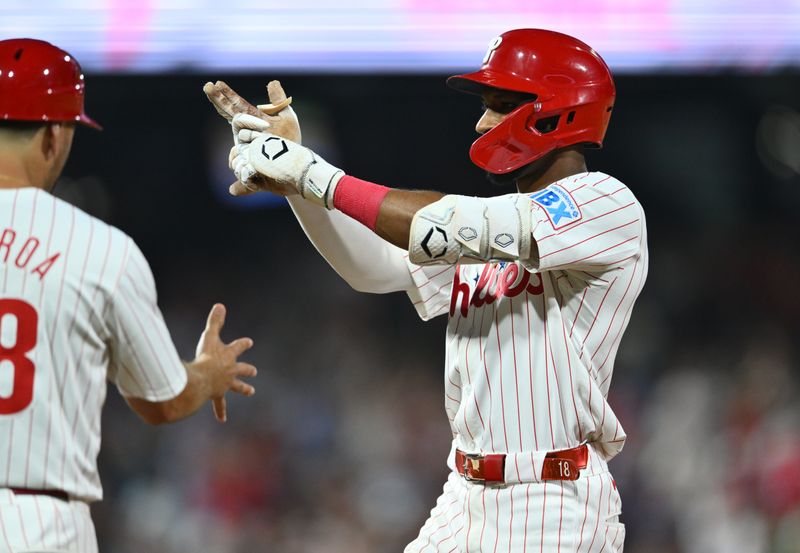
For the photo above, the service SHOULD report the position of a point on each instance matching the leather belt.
(564, 464)
(58, 494)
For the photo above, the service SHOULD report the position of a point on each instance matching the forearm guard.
(471, 230)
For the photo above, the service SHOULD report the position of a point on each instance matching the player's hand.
(247, 128)
(248, 179)
(287, 166)
(219, 363)
(278, 115)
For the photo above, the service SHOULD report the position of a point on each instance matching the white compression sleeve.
(362, 258)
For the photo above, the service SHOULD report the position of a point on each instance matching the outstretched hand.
(278, 115)
(218, 362)
(227, 102)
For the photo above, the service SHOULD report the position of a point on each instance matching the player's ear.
(57, 140)
(47, 140)
(51, 140)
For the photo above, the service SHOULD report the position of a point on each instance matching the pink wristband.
(359, 199)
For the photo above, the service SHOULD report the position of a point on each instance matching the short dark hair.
(22, 128)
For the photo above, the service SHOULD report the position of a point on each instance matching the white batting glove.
(288, 164)
(245, 128)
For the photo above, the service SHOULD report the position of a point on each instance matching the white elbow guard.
(471, 230)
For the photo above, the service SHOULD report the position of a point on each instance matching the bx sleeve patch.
(558, 203)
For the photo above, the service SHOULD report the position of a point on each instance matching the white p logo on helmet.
(492, 47)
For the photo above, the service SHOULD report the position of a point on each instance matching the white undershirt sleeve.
(368, 263)
(363, 259)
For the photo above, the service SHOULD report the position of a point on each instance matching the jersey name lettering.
(21, 253)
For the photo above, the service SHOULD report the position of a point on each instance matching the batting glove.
(245, 128)
(288, 164)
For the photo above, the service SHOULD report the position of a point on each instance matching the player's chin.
(505, 179)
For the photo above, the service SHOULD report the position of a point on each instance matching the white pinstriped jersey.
(530, 353)
(77, 308)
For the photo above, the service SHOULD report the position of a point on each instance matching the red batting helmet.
(574, 97)
(39, 82)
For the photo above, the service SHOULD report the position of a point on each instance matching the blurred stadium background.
(343, 447)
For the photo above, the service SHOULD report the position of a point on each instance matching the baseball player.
(538, 287)
(77, 308)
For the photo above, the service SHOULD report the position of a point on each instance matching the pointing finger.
(216, 318)
(218, 100)
(235, 103)
(240, 346)
(223, 101)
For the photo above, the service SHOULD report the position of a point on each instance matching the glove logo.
(467, 233)
(504, 239)
(426, 246)
(273, 148)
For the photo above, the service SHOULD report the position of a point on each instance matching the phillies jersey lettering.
(77, 308)
(495, 281)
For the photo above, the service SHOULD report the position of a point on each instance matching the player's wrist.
(289, 165)
(318, 184)
(198, 382)
(359, 199)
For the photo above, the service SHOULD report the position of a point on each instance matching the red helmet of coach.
(574, 94)
(39, 82)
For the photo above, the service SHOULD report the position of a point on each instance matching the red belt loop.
(489, 468)
(58, 494)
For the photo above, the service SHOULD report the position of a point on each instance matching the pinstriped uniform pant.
(44, 524)
(580, 516)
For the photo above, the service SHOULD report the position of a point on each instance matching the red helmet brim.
(89, 122)
(478, 81)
